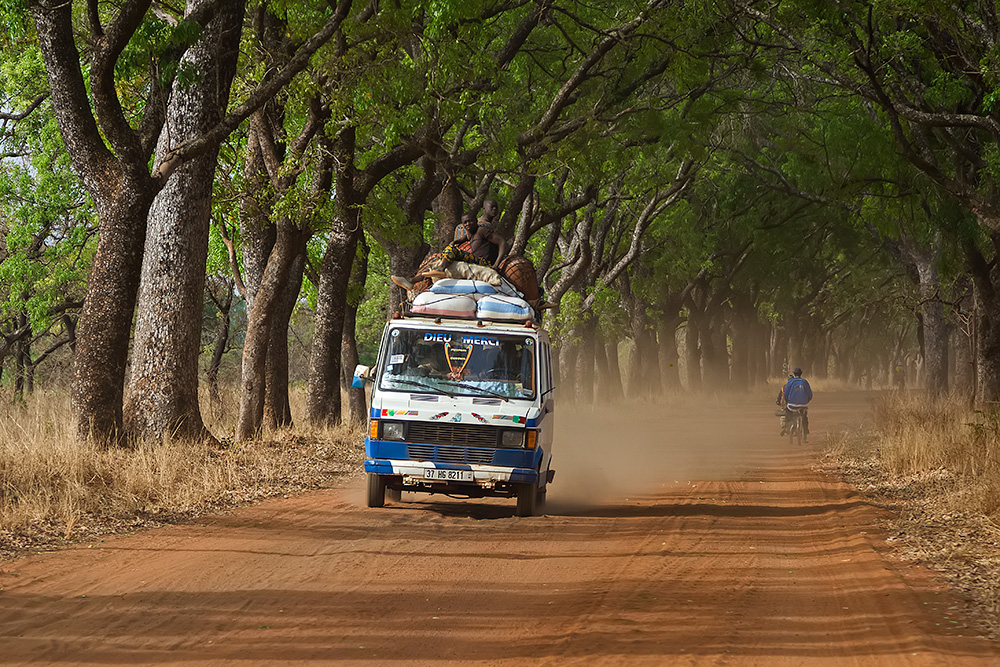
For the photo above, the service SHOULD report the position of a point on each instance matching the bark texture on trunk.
(323, 403)
(162, 396)
(260, 321)
(277, 403)
(357, 406)
(105, 323)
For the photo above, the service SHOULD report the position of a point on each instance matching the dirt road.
(707, 540)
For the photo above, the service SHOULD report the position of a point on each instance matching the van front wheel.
(376, 490)
(527, 500)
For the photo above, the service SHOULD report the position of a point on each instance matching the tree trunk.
(692, 353)
(567, 365)
(987, 350)
(986, 295)
(277, 406)
(22, 358)
(122, 192)
(105, 323)
(323, 404)
(260, 322)
(602, 389)
(357, 405)
(219, 345)
(667, 347)
(742, 340)
(963, 344)
(587, 333)
(404, 258)
(935, 330)
(162, 396)
(448, 210)
(616, 391)
(257, 231)
(714, 355)
(778, 353)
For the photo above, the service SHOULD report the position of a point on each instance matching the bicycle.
(794, 425)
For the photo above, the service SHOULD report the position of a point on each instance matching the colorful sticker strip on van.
(480, 418)
(511, 418)
(400, 413)
(439, 415)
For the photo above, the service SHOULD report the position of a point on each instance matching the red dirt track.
(708, 541)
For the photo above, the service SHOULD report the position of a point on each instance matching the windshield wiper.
(414, 383)
(472, 386)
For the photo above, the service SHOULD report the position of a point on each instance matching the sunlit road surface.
(675, 535)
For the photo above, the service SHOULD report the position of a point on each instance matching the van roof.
(467, 324)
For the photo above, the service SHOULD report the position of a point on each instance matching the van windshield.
(458, 363)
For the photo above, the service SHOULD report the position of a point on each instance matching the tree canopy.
(710, 193)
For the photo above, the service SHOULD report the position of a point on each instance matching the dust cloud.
(607, 455)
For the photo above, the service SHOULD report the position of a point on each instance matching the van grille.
(450, 454)
(462, 435)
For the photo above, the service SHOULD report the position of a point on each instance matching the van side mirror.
(361, 373)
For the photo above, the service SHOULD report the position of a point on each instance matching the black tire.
(527, 500)
(376, 490)
(540, 500)
(795, 433)
(394, 495)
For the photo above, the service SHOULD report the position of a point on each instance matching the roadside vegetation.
(55, 490)
(936, 466)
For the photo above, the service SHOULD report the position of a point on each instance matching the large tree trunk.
(987, 327)
(987, 348)
(162, 395)
(105, 323)
(323, 404)
(448, 209)
(122, 192)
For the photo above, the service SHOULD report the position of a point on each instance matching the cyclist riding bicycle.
(796, 395)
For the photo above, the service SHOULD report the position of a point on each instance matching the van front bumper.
(487, 476)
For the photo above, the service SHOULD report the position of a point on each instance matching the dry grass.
(936, 465)
(54, 490)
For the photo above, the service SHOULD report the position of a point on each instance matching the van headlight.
(512, 439)
(392, 430)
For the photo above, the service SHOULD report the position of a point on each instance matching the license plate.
(443, 475)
